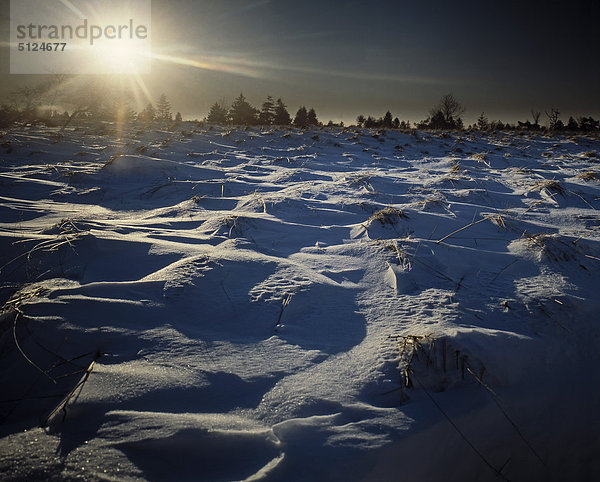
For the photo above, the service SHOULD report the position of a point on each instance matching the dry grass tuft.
(552, 247)
(549, 185)
(433, 362)
(432, 203)
(388, 215)
(360, 180)
(520, 170)
(455, 168)
(19, 298)
(589, 176)
(498, 219)
(63, 227)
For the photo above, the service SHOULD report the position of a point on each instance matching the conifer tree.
(241, 112)
(267, 113)
(217, 113)
(572, 124)
(281, 116)
(387, 120)
(148, 114)
(301, 119)
(482, 122)
(163, 109)
(370, 122)
(311, 118)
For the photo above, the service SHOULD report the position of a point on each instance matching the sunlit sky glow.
(351, 57)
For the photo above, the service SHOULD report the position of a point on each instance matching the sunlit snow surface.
(256, 301)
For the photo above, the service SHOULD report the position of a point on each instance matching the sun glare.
(121, 57)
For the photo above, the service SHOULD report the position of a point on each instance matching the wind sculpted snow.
(337, 304)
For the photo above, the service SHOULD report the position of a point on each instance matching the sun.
(123, 56)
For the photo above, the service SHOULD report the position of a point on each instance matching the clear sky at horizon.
(363, 57)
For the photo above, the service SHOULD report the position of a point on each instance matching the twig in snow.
(591, 231)
(458, 430)
(284, 303)
(539, 202)
(581, 197)
(32, 363)
(417, 260)
(79, 386)
(49, 245)
(501, 404)
(499, 220)
(503, 269)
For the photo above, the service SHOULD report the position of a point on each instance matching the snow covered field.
(331, 304)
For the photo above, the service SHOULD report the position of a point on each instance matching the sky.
(346, 58)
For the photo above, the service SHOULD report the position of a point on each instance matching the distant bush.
(588, 124)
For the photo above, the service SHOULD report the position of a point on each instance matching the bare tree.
(446, 114)
(536, 117)
(553, 118)
(450, 107)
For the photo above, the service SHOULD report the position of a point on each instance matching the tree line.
(448, 114)
(91, 101)
(98, 101)
(272, 112)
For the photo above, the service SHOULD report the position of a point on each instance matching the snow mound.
(285, 304)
